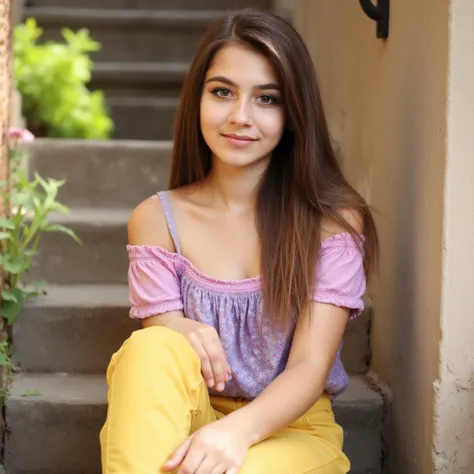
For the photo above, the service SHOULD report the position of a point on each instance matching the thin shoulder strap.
(165, 204)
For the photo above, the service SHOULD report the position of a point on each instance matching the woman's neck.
(234, 188)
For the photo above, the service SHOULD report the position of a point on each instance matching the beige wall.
(454, 421)
(386, 106)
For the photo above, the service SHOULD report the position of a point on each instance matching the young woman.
(244, 274)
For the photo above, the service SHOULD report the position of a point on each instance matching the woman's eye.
(268, 99)
(221, 92)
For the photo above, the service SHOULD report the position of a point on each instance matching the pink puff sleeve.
(154, 286)
(340, 276)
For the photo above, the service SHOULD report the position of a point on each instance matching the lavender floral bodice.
(161, 281)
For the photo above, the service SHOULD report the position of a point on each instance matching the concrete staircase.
(64, 340)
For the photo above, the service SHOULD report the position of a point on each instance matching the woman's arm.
(316, 341)
(225, 442)
(339, 286)
(147, 226)
(299, 386)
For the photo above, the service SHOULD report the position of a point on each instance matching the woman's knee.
(157, 343)
(156, 335)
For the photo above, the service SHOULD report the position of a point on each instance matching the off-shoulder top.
(161, 281)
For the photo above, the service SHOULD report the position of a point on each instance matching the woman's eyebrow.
(225, 80)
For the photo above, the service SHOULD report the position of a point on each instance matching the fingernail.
(220, 387)
(210, 383)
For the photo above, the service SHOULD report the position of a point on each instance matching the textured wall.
(386, 106)
(453, 443)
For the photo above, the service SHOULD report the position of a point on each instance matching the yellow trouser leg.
(311, 445)
(156, 398)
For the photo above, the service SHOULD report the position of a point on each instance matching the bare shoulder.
(147, 225)
(352, 216)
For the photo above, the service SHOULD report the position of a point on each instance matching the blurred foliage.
(52, 78)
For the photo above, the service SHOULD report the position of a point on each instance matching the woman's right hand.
(206, 342)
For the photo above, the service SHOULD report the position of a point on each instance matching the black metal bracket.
(379, 13)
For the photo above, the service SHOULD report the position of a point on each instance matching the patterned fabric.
(161, 281)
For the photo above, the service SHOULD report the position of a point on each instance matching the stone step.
(139, 83)
(142, 97)
(143, 118)
(73, 329)
(151, 4)
(130, 35)
(57, 430)
(113, 174)
(122, 78)
(76, 329)
(102, 258)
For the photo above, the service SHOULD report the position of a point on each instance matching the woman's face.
(242, 117)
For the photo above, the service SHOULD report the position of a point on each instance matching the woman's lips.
(239, 141)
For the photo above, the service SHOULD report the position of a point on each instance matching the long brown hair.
(303, 182)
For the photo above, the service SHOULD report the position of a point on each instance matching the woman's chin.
(238, 160)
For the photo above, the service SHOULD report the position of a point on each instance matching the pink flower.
(20, 135)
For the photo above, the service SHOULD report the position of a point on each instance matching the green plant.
(52, 78)
(31, 392)
(30, 203)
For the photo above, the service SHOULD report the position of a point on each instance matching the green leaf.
(64, 229)
(37, 205)
(34, 289)
(32, 393)
(40, 180)
(56, 206)
(31, 253)
(13, 266)
(4, 359)
(4, 235)
(6, 223)
(31, 294)
(9, 295)
(11, 310)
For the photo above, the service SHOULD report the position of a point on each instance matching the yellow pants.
(157, 397)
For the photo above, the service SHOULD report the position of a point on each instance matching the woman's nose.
(241, 113)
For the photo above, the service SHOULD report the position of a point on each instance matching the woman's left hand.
(217, 448)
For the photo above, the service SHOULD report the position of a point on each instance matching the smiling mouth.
(239, 137)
